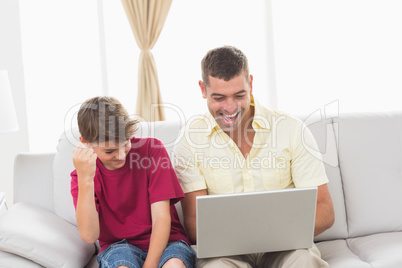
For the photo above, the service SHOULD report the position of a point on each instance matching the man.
(241, 146)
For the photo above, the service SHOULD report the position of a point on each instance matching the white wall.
(346, 50)
(60, 47)
(11, 60)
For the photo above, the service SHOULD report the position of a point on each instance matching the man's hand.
(84, 161)
(188, 205)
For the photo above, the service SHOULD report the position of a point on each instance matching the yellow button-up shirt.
(284, 154)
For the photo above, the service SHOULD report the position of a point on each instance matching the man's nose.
(231, 105)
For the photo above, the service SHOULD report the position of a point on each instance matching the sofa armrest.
(33, 179)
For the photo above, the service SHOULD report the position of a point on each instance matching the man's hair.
(224, 63)
(104, 119)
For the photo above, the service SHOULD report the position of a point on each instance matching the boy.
(124, 197)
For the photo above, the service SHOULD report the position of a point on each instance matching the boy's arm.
(86, 214)
(161, 224)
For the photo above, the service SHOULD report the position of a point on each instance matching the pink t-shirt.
(124, 196)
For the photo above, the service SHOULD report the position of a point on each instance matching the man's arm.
(325, 216)
(189, 213)
(161, 224)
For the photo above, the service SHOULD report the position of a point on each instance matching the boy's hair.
(224, 63)
(104, 119)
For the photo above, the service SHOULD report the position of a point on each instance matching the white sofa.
(363, 159)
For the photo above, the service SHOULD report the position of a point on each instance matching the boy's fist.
(84, 161)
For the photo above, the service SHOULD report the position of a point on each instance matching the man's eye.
(218, 99)
(240, 96)
(109, 152)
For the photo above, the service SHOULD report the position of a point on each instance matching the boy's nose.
(121, 155)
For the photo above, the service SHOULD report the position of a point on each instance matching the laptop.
(255, 222)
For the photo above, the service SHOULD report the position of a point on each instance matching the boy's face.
(112, 155)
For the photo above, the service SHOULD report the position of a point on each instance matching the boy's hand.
(84, 161)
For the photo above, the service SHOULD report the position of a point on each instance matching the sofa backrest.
(362, 154)
(168, 132)
(370, 157)
(324, 131)
(62, 167)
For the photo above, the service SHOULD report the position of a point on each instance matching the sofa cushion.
(338, 255)
(370, 159)
(62, 167)
(39, 235)
(324, 134)
(93, 263)
(165, 131)
(9, 260)
(379, 250)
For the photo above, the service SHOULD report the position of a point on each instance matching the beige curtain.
(147, 18)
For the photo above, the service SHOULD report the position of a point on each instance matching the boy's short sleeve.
(74, 187)
(163, 182)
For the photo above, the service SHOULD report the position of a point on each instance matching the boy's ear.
(86, 144)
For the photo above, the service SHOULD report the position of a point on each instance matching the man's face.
(229, 101)
(112, 155)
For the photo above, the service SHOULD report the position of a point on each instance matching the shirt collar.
(261, 119)
(212, 125)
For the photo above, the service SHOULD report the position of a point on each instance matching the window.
(191, 29)
(62, 59)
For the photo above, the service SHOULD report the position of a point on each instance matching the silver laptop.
(244, 223)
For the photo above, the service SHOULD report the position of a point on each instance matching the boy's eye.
(109, 152)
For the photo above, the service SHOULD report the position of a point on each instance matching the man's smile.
(229, 118)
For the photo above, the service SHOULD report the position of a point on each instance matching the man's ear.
(86, 144)
(203, 89)
(251, 84)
